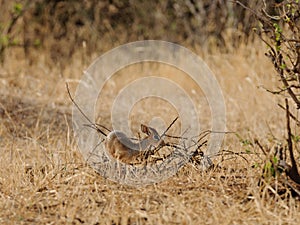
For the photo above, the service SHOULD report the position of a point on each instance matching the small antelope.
(123, 149)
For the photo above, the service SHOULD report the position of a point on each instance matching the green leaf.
(268, 165)
(278, 48)
(277, 28)
(4, 41)
(14, 42)
(37, 42)
(296, 138)
(269, 170)
(18, 7)
(278, 31)
(287, 19)
(283, 66)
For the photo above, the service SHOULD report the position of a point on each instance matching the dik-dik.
(125, 150)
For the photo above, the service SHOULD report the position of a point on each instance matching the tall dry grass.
(44, 179)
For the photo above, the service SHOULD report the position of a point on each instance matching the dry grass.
(44, 179)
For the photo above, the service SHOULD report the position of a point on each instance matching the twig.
(246, 7)
(202, 135)
(280, 89)
(293, 172)
(92, 125)
(260, 146)
(295, 189)
(285, 82)
(200, 145)
(104, 127)
(175, 137)
(291, 115)
(164, 133)
(228, 152)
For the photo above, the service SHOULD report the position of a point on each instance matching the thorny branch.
(293, 172)
(280, 46)
(279, 29)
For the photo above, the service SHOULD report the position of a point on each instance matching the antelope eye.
(156, 137)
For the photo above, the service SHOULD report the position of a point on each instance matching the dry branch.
(92, 125)
(293, 172)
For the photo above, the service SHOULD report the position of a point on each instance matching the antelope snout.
(161, 143)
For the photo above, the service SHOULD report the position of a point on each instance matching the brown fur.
(123, 149)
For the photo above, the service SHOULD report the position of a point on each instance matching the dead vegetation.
(45, 180)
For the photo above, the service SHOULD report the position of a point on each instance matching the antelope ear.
(145, 129)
